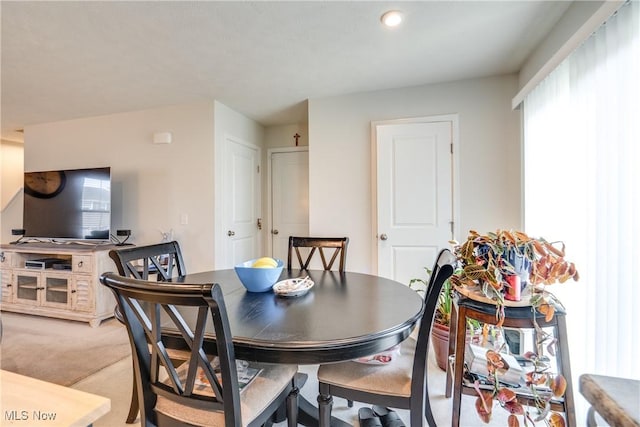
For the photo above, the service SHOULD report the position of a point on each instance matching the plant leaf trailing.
(485, 262)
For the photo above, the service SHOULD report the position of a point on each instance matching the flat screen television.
(72, 204)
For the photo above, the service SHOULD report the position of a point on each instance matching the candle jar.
(513, 290)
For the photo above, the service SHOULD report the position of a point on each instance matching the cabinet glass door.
(27, 287)
(56, 291)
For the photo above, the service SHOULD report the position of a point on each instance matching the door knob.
(274, 232)
(383, 237)
(231, 233)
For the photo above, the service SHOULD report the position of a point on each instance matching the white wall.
(155, 184)
(340, 156)
(152, 184)
(11, 180)
(283, 136)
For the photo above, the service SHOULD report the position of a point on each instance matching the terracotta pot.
(440, 340)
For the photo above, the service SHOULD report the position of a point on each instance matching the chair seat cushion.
(392, 379)
(254, 398)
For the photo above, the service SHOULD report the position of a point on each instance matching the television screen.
(68, 204)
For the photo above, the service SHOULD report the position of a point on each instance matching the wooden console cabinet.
(66, 286)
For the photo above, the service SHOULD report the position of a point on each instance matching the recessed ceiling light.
(392, 18)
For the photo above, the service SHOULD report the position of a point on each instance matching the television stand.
(53, 243)
(57, 280)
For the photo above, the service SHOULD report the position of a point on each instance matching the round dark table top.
(344, 316)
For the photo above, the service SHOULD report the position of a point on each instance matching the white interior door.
(242, 201)
(414, 196)
(289, 199)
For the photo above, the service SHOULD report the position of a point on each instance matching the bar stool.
(515, 317)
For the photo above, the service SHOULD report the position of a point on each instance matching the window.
(582, 184)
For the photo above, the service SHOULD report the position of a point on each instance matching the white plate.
(293, 287)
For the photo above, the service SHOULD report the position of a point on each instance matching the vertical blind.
(582, 186)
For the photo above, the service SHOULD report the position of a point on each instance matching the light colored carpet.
(60, 351)
(115, 383)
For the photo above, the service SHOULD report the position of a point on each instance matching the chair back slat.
(149, 306)
(336, 247)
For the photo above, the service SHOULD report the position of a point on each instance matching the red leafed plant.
(543, 385)
(486, 261)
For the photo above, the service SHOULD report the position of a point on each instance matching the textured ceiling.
(65, 60)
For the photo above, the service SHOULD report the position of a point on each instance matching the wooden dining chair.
(164, 260)
(319, 245)
(401, 383)
(305, 248)
(203, 391)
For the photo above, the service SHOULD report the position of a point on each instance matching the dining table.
(343, 316)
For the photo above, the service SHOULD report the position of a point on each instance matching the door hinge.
(451, 223)
(451, 145)
(258, 168)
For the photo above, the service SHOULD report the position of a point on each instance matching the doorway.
(288, 187)
(414, 193)
(242, 201)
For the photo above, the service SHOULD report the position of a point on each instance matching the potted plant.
(505, 265)
(490, 262)
(442, 319)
